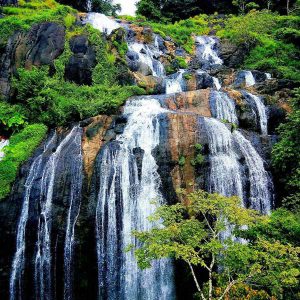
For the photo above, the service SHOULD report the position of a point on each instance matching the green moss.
(19, 150)
(187, 76)
(180, 61)
(181, 161)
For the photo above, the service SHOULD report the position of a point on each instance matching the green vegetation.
(31, 12)
(271, 39)
(267, 266)
(21, 147)
(181, 161)
(199, 158)
(42, 95)
(286, 155)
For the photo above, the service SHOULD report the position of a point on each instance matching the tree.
(203, 232)
(286, 155)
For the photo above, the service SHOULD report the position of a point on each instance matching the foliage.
(181, 161)
(271, 40)
(285, 154)
(106, 7)
(21, 147)
(193, 232)
(12, 118)
(54, 102)
(30, 12)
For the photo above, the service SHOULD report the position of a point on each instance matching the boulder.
(232, 55)
(81, 63)
(40, 46)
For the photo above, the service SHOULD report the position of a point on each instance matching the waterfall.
(42, 262)
(74, 209)
(261, 187)
(225, 175)
(249, 78)
(268, 76)
(259, 109)
(3, 143)
(129, 181)
(222, 107)
(217, 83)
(174, 85)
(206, 49)
(149, 57)
(102, 22)
(17, 273)
(89, 5)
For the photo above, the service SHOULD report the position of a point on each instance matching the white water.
(225, 176)
(249, 78)
(149, 57)
(42, 261)
(174, 85)
(89, 5)
(102, 22)
(124, 204)
(223, 107)
(260, 110)
(260, 182)
(3, 143)
(268, 76)
(206, 49)
(217, 83)
(17, 273)
(74, 209)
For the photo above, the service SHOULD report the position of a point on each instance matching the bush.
(21, 147)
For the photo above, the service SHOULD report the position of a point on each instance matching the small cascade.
(222, 107)
(74, 209)
(261, 187)
(259, 109)
(149, 57)
(17, 273)
(102, 22)
(249, 78)
(3, 143)
(207, 49)
(129, 181)
(225, 175)
(174, 85)
(268, 76)
(217, 84)
(42, 262)
(89, 5)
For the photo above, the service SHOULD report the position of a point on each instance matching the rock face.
(40, 46)
(81, 63)
(232, 55)
(8, 2)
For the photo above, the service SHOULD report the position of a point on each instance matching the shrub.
(21, 147)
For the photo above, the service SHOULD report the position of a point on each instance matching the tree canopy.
(207, 232)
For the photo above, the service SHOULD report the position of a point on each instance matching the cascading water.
(222, 107)
(3, 143)
(261, 187)
(249, 78)
(217, 83)
(74, 209)
(174, 85)
(206, 49)
(149, 57)
(43, 282)
(259, 109)
(17, 273)
(225, 175)
(102, 22)
(128, 183)
(40, 187)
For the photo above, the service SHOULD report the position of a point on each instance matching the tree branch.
(196, 282)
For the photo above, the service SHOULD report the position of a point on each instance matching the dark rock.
(231, 54)
(80, 66)
(204, 80)
(8, 2)
(276, 115)
(40, 46)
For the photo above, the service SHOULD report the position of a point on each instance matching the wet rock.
(152, 84)
(81, 63)
(232, 55)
